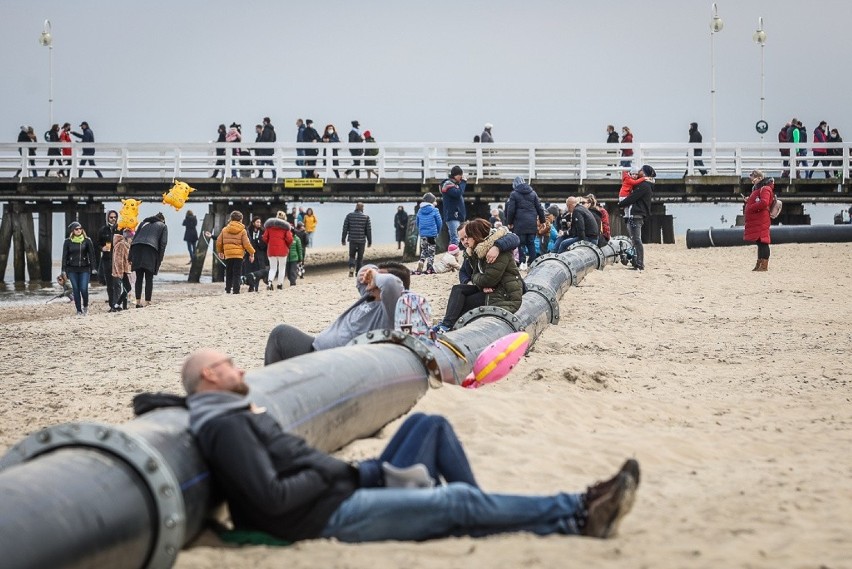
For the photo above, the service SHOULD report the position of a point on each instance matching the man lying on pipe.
(379, 289)
(274, 482)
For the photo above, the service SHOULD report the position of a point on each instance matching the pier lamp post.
(716, 25)
(46, 39)
(759, 38)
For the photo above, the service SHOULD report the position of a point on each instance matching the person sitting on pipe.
(275, 483)
(379, 290)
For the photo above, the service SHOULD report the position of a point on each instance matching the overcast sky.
(426, 71)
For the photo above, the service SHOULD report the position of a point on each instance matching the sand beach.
(731, 388)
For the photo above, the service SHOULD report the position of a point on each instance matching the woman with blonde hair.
(602, 216)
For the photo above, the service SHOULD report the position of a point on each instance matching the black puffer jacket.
(640, 199)
(273, 481)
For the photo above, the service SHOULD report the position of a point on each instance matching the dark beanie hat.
(356, 124)
(648, 171)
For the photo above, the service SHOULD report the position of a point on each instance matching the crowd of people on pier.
(253, 161)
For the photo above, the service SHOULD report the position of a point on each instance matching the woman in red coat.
(279, 236)
(757, 217)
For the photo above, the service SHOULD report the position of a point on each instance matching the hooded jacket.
(428, 220)
(523, 209)
(233, 241)
(278, 236)
(154, 233)
(120, 256)
(756, 211)
(365, 315)
(502, 275)
(273, 481)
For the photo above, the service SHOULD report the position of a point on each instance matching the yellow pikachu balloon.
(178, 194)
(127, 217)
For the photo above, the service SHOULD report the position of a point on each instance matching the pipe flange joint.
(163, 486)
(595, 249)
(492, 311)
(549, 297)
(554, 257)
(419, 347)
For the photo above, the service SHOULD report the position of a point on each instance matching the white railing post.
(738, 161)
(584, 163)
(176, 172)
(478, 163)
(531, 162)
(380, 163)
(125, 163)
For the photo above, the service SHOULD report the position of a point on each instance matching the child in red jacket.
(628, 181)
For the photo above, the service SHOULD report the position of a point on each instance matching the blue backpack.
(413, 314)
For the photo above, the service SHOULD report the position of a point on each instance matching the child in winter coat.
(629, 180)
(428, 225)
(449, 261)
(121, 269)
(295, 259)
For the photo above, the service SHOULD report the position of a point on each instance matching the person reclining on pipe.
(379, 289)
(275, 482)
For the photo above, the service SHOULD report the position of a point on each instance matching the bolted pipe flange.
(419, 347)
(162, 484)
(595, 249)
(549, 297)
(558, 258)
(494, 312)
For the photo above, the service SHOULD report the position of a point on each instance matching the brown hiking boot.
(607, 502)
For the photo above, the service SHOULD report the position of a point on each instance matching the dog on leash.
(254, 279)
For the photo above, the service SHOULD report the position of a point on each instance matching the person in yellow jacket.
(310, 226)
(232, 245)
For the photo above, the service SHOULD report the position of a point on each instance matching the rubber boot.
(757, 265)
(764, 265)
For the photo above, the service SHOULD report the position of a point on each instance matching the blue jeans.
(457, 509)
(429, 440)
(453, 230)
(80, 288)
(563, 245)
(634, 228)
(526, 251)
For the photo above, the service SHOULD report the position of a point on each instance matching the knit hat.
(74, 225)
(429, 197)
(553, 210)
(648, 171)
(452, 248)
(518, 182)
(368, 134)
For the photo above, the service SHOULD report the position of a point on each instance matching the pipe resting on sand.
(88, 495)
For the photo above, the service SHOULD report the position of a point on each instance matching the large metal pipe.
(733, 237)
(85, 495)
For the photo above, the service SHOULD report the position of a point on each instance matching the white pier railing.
(418, 161)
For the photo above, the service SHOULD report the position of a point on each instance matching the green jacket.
(502, 275)
(297, 252)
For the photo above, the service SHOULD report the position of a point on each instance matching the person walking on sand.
(78, 260)
(103, 245)
(523, 214)
(274, 482)
(357, 228)
(757, 221)
(452, 200)
(146, 254)
(428, 225)
(310, 221)
(278, 234)
(121, 269)
(232, 245)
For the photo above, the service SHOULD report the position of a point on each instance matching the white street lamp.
(46, 39)
(716, 25)
(759, 38)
